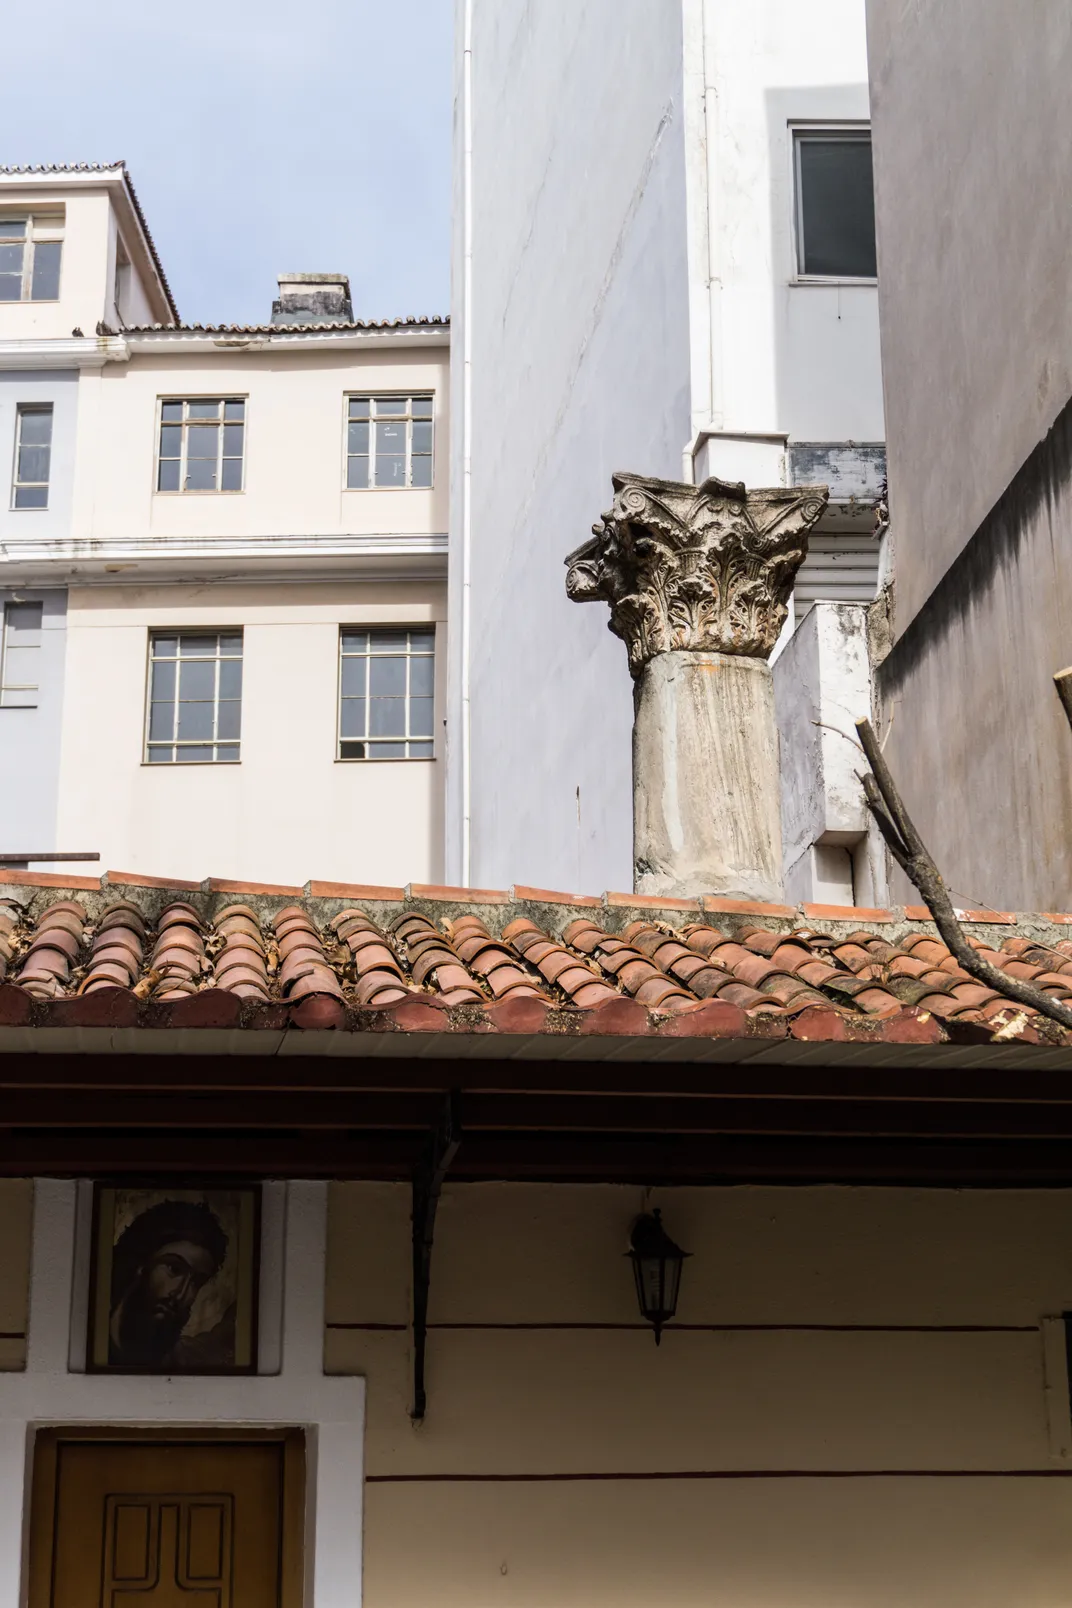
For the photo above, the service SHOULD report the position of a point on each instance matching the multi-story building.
(223, 561)
(973, 238)
(664, 263)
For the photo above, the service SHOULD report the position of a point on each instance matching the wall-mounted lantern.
(657, 1270)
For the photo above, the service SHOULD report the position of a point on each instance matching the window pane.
(163, 682)
(198, 646)
(165, 647)
(353, 677)
(390, 471)
(10, 285)
(232, 440)
(200, 474)
(228, 755)
(357, 476)
(12, 228)
(358, 436)
(359, 407)
(422, 407)
(11, 259)
(422, 641)
(392, 404)
(195, 720)
(837, 208)
(23, 623)
(231, 678)
(421, 472)
(170, 440)
(46, 270)
(351, 750)
(31, 497)
(387, 717)
(35, 426)
(420, 717)
(197, 678)
(203, 441)
(421, 751)
(355, 641)
(171, 410)
(422, 435)
(390, 437)
(387, 750)
(389, 641)
(231, 477)
(387, 678)
(203, 410)
(194, 755)
(230, 719)
(161, 721)
(33, 463)
(168, 477)
(161, 756)
(231, 645)
(352, 717)
(421, 677)
(234, 410)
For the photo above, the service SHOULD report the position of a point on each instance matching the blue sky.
(263, 137)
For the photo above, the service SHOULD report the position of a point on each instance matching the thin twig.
(910, 852)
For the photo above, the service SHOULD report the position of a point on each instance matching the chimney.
(313, 299)
(698, 581)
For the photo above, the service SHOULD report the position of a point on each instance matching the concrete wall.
(973, 128)
(842, 1417)
(84, 289)
(295, 468)
(979, 744)
(289, 811)
(580, 365)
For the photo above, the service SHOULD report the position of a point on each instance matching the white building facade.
(664, 262)
(222, 562)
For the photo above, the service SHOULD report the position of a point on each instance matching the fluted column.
(698, 581)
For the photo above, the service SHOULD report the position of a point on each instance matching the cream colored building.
(274, 497)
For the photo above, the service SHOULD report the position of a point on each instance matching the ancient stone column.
(698, 581)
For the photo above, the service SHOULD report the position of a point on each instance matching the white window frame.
(799, 130)
(40, 227)
(215, 741)
(426, 629)
(21, 410)
(22, 687)
(372, 397)
(184, 424)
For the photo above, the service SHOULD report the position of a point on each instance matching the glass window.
(388, 441)
(835, 204)
(195, 698)
(386, 692)
(30, 251)
(202, 444)
(33, 453)
(20, 651)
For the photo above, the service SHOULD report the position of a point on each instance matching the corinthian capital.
(706, 566)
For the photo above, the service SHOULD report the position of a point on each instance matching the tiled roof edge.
(415, 321)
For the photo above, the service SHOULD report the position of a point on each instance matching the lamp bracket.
(440, 1149)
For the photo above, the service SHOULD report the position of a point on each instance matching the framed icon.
(173, 1279)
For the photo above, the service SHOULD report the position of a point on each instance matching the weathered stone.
(695, 567)
(705, 778)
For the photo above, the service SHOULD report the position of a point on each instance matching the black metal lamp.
(657, 1270)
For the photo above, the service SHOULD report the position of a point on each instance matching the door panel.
(163, 1524)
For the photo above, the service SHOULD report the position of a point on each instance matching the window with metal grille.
(33, 454)
(835, 203)
(20, 655)
(202, 442)
(194, 714)
(30, 252)
(386, 693)
(388, 442)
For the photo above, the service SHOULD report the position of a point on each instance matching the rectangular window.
(20, 653)
(30, 250)
(386, 693)
(33, 453)
(201, 444)
(835, 196)
(388, 441)
(195, 698)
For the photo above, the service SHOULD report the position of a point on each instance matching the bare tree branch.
(910, 852)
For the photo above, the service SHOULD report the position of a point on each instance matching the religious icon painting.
(173, 1281)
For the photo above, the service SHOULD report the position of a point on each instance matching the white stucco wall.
(83, 265)
(289, 811)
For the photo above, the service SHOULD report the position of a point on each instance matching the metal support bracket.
(428, 1178)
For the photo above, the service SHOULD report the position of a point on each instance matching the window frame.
(21, 410)
(374, 396)
(822, 128)
(42, 228)
(26, 686)
(426, 627)
(156, 632)
(185, 399)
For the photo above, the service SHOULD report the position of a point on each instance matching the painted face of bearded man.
(161, 1262)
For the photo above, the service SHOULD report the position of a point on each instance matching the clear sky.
(262, 136)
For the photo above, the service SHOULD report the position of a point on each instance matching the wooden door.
(154, 1522)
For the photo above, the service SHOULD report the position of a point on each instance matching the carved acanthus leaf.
(708, 566)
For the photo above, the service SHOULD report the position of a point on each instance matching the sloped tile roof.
(136, 951)
(412, 321)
